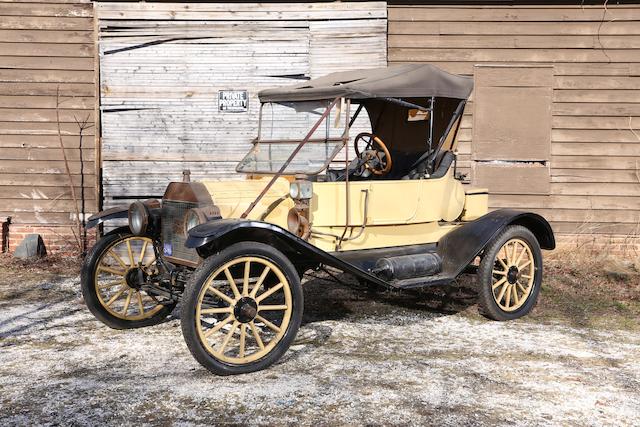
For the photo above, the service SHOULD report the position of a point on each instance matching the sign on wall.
(233, 101)
(193, 104)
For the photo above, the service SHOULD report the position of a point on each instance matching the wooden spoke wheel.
(513, 275)
(242, 309)
(510, 274)
(113, 277)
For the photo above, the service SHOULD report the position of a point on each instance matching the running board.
(422, 282)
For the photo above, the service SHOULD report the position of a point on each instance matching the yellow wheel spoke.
(126, 303)
(271, 291)
(220, 295)
(526, 276)
(218, 326)
(520, 267)
(117, 295)
(502, 291)
(498, 283)
(524, 251)
(524, 291)
(228, 337)
(267, 323)
(500, 273)
(111, 284)
(272, 307)
(514, 293)
(130, 253)
(504, 265)
(118, 259)
(514, 248)
(507, 299)
(232, 283)
(243, 339)
(111, 270)
(142, 252)
(245, 282)
(260, 280)
(256, 335)
(216, 310)
(140, 304)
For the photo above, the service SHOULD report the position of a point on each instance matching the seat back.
(443, 164)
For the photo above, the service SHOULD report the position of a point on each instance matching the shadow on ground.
(343, 297)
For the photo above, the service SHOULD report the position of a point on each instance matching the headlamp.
(138, 218)
(197, 216)
(300, 189)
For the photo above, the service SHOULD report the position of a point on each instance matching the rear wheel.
(242, 309)
(510, 274)
(112, 276)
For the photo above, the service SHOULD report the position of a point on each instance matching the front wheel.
(242, 309)
(510, 274)
(112, 277)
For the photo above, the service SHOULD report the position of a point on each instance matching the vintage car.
(386, 207)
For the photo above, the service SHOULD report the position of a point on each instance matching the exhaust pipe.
(408, 266)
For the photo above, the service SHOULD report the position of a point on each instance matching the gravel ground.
(359, 358)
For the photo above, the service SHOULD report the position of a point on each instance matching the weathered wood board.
(46, 48)
(593, 158)
(162, 66)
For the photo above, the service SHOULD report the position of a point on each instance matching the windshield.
(284, 125)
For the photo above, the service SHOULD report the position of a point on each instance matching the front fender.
(213, 236)
(459, 247)
(106, 215)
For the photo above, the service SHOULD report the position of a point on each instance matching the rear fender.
(211, 237)
(459, 248)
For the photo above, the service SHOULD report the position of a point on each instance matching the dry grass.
(589, 287)
(49, 265)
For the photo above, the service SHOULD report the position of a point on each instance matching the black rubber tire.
(486, 303)
(89, 290)
(199, 278)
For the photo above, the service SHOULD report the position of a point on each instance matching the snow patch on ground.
(58, 365)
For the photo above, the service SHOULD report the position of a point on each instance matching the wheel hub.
(512, 274)
(135, 278)
(245, 310)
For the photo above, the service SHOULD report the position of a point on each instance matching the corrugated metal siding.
(162, 65)
(45, 46)
(595, 53)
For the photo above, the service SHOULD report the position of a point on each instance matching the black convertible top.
(396, 81)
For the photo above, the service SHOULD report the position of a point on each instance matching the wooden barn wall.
(162, 65)
(595, 124)
(45, 48)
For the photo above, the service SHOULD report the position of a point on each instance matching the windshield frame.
(344, 106)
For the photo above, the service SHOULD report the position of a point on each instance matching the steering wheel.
(375, 157)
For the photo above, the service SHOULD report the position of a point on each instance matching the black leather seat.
(443, 163)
